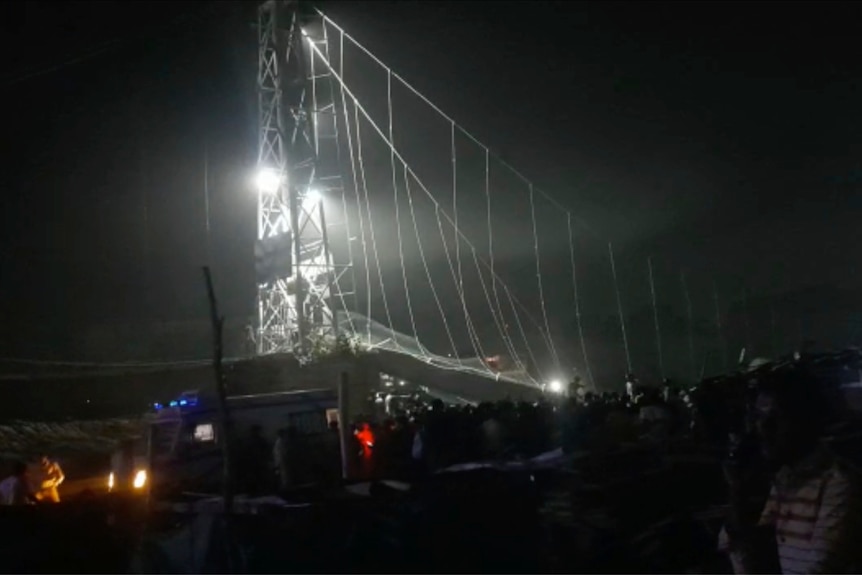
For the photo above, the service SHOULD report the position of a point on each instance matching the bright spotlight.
(140, 479)
(555, 386)
(268, 181)
(312, 196)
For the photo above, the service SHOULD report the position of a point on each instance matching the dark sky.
(723, 138)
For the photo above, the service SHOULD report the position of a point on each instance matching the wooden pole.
(207, 203)
(224, 415)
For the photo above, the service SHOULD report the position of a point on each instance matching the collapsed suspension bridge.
(361, 179)
(314, 129)
(383, 220)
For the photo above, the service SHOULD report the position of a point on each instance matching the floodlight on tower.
(311, 199)
(268, 181)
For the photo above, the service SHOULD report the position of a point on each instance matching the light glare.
(312, 196)
(140, 479)
(555, 386)
(268, 181)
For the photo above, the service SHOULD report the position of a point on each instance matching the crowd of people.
(434, 435)
(794, 503)
(27, 486)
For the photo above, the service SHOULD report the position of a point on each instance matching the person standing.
(15, 489)
(52, 477)
(812, 519)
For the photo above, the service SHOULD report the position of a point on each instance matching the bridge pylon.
(297, 277)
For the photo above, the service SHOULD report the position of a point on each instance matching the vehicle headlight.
(140, 479)
(111, 481)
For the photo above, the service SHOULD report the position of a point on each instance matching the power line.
(88, 55)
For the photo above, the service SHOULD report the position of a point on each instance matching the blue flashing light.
(177, 403)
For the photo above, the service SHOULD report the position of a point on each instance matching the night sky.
(723, 139)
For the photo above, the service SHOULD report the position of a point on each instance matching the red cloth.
(366, 440)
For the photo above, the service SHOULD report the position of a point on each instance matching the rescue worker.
(52, 477)
(365, 437)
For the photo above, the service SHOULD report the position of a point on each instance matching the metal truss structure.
(297, 122)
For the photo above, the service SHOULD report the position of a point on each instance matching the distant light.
(173, 404)
(268, 181)
(555, 386)
(140, 479)
(183, 402)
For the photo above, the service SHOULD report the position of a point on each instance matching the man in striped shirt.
(813, 511)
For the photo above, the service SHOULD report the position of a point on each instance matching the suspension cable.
(620, 308)
(449, 119)
(340, 163)
(315, 107)
(539, 279)
(371, 225)
(397, 211)
(500, 323)
(425, 262)
(355, 186)
(578, 305)
(514, 299)
(520, 325)
(507, 340)
(471, 330)
(106, 365)
(459, 278)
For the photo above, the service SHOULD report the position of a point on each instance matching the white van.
(183, 449)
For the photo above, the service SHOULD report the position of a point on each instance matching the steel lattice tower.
(294, 301)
